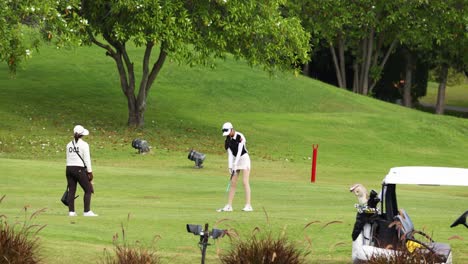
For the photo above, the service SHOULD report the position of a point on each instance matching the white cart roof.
(427, 176)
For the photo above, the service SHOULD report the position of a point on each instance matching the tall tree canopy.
(364, 33)
(366, 30)
(21, 23)
(192, 32)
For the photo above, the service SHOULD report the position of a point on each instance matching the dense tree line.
(362, 35)
(378, 48)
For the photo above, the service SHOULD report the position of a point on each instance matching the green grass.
(359, 140)
(456, 95)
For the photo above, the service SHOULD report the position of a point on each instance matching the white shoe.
(72, 214)
(247, 208)
(89, 213)
(226, 208)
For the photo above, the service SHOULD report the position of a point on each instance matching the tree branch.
(389, 51)
(384, 61)
(157, 66)
(130, 71)
(110, 51)
(143, 91)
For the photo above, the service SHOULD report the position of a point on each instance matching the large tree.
(363, 32)
(436, 32)
(192, 32)
(450, 43)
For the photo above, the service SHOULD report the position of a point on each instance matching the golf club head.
(461, 220)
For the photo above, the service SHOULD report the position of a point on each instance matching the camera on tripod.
(197, 157)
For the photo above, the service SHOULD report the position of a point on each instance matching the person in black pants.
(79, 170)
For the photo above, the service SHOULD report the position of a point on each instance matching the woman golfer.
(79, 171)
(238, 160)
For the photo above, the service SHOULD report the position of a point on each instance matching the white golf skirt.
(244, 162)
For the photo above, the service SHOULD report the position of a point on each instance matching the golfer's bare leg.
(246, 182)
(232, 190)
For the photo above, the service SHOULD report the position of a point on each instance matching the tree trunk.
(339, 61)
(367, 62)
(306, 69)
(356, 78)
(408, 80)
(337, 67)
(361, 66)
(441, 91)
(136, 104)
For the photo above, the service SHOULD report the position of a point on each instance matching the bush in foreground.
(264, 250)
(130, 254)
(18, 242)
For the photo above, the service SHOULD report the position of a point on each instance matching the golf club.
(230, 179)
(228, 187)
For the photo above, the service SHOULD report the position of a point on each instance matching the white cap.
(227, 128)
(80, 130)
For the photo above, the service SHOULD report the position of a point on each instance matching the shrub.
(403, 256)
(264, 250)
(19, 242)
(130, 254)
(125, 254)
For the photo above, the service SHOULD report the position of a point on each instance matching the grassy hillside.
(282, 116)
(456, 95)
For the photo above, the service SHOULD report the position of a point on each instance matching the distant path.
(447, 107)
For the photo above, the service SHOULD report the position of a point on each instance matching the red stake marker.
(314, 162)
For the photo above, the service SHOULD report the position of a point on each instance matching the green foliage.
(436, 29)
(189, 33)
(17, 21)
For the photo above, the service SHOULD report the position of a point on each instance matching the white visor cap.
(226, 128)
(80, 130)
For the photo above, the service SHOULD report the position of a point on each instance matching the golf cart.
(385, 231)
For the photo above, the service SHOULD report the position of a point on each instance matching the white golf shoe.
(89, 213)
(226, 208)
(72, 214)
(247, 208)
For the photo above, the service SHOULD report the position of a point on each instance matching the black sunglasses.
(225, 129)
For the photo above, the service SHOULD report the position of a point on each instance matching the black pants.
(78, 175)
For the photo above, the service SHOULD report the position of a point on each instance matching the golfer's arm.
(87, 159)
(239, 152)
(230, 158)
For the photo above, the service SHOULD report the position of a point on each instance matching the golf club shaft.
(230, 179)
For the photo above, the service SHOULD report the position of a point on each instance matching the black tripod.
(204, 236)
(204, 243)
